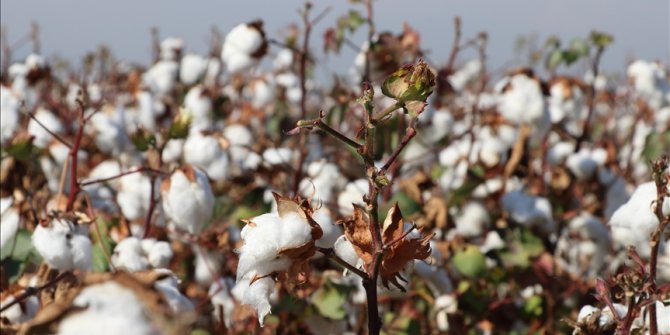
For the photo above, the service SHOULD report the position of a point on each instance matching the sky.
(70, 28)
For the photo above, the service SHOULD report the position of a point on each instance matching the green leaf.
(532, 308)
(355, 20)
(570, 56)
(579, 46)
(554, 59)
(199, 331)
(329, 300)
(21, 149)
(401, 325)
(23, 246)
(470, 262)
(600, 39)
(142, 139)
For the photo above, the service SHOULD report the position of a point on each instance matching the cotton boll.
(444, 305)
(581, 248)
(331, 231)
(9, 224)
(465, 74)
(523, 101)
(9, 114)
(283, 60)
(171, 48)
(222, 300)
(633, 222)
(134, 195)
(257, 296)
(493, 241)
(129, 255)
(109, 131)
(188, 200)
(173, 150)
(345, 250)
(454, 177)
(242, 46)
(559, 152)
(352, 194)
(159, 255)
(473, 219)
(529, 210)
(41, 136)
(169, 288)
(650, 83)
(277, 156)
(110, 309)
(63, 246)
(323, 182)
(192, 68)
(20, 312)
(207, 265)
(161, 77)
(199, 106)
(240, 139)
(206, 152)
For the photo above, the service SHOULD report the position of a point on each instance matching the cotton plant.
(11, 221)
(207, 152)
(581, 248)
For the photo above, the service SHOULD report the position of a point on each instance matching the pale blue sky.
(69, 28)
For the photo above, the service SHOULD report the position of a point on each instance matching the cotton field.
(236, 192)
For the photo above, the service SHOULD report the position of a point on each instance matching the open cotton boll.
(345, 250)
(169, 288)
(580, 248)
(465, 74)
(323, 182)
(20, 312)
(283, 60)
(109, 130)
(559, 152)
(188, 200)
(453, 177)
(110, 309)
(522, 102)
(207, 265)
(171, 48)
(331, 231)
(129, 255)
(192, 68)
(566, 100)
(63, 245)
(650, 82)
(352, 194)
(583, 164)
(240, 139)
(242, 47)
(444, 305)
(206, 152)
(529, 210)
(134, 195)
(277, 156)
(9, 224)
(158, 253)
(257, 296)
(161, 77)
(42, 138)
(9, 114)
(199, 105)
(634, 221)
(472, 220)
(222, 300)
(173, 150)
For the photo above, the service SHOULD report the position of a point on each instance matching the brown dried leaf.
(400, 253)
(393, 224)
(358, 233)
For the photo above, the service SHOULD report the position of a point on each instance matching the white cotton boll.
(188, 200)
(171, 47)
(529, 210)
(352, 194)
(192, 68)
(634, 221)
(331, 231)
(102, 196)
(488, 187)
(173, 150)
(295, 231)
(9, 224)
(257, 296)
(129, 255)
(666, 206)
(663, 317)
(492, 152)
(559, 152)
(222, 300)
(444, 305)
(465, 74)
(110, 134)
(585, 312)
(450, 155)
(160, 254)
(9, 114)
(111, 309)
(199, 106)
(277, 156)
(20, 312)
(650, 83)
(345, 250)
(239, 45)
(473, 219)
(261, 92)
(41, 136)
(580, 248)
(523, 102)
(283, 60)
(134, 195)
(206, 152)
(617, 191)
(161, 77)
(207, 266)
(493, 241)
(178, 303)
(323, 182)
(441, 126)
(581, 164)
(454, 177)
(63, 246)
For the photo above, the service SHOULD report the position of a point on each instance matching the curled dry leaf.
(401, 247)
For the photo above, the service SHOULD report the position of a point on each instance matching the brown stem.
(330, 253)
(659, 168)
(318, 123)
(455, 47)
(74, 150)
(150, 211)
(409, 134)
(122, 174)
